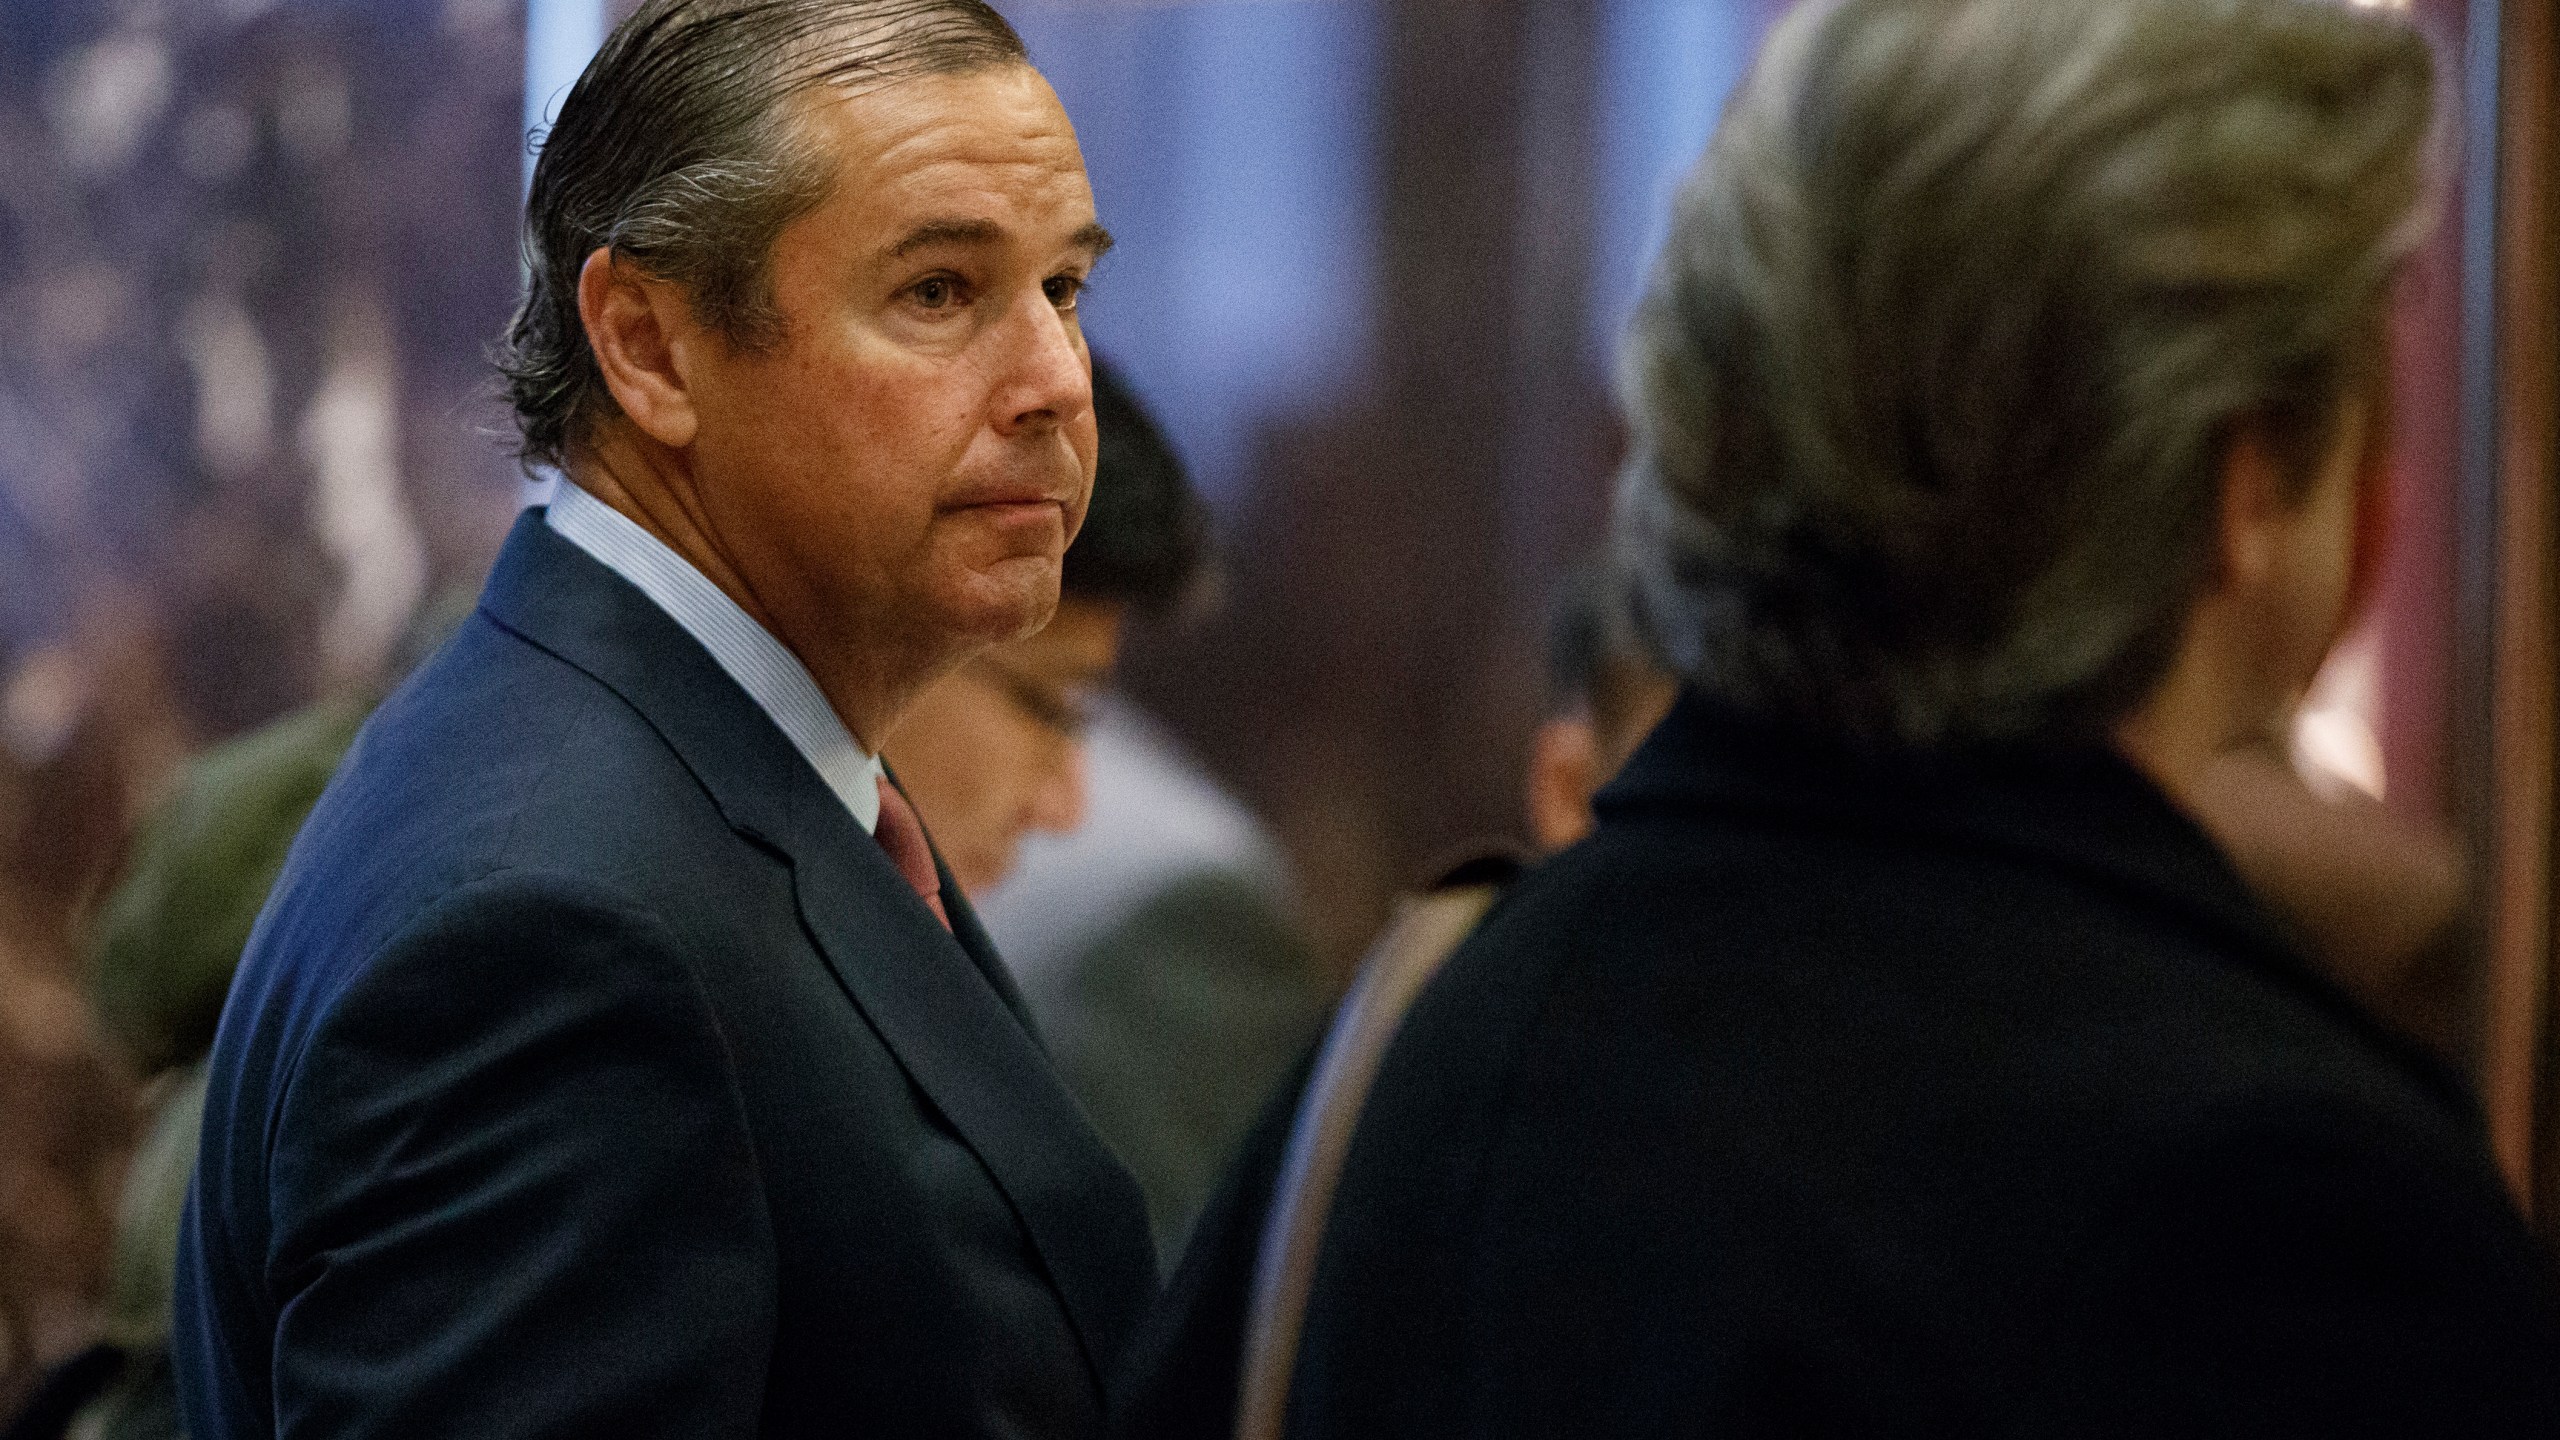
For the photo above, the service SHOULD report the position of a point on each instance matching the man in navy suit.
(614, 1056)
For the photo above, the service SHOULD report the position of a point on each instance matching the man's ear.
(640, 332)
(1563, 771)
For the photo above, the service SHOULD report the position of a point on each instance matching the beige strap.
(1426, 928)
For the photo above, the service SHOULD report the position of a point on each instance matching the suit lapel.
(972, 936)
(962, 1039)
(940, 1000)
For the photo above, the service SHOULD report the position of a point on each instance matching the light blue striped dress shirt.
(771, 675)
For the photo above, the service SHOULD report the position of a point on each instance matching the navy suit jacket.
(591, 1072)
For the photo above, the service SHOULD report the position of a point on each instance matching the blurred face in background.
(994, 752)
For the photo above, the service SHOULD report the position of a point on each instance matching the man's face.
(900, 476)
(991, 752)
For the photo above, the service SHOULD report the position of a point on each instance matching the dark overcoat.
(1824, 1096)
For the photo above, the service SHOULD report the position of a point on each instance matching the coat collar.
(2085, 811)
(941, 1000)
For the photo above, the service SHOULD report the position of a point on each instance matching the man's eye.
(936, 293)
(1064, 291)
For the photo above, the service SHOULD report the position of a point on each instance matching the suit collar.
(562, 599)
(761, 665)
(940, 1000)
(2084, 811)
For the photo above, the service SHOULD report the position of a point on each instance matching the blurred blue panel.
(1665, 69)
(559, 38)
(1232, 145)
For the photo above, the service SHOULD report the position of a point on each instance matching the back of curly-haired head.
(680, 149)
(1934, 380)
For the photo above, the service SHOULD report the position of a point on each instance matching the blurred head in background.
(2013, 372)
(993, 753)
(1603, 696)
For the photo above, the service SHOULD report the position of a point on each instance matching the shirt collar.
(771, 675)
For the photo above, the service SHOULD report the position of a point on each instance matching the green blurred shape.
(171, 933)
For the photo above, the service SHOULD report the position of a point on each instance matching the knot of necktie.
(902, 835)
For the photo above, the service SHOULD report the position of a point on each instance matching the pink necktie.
(902, 835)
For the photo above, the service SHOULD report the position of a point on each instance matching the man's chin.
(1006, 602)
(997, 534)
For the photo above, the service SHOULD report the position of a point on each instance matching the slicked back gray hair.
(679, 150)
(1933, 381)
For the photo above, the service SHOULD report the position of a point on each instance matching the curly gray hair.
(1932, 382)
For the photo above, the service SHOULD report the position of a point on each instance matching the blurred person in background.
(162, 955)
(614, 1055)
(1902, 1055)
(2382, 903)
(257, 252)
(160, 962)
(1148, 923)
(161, 952)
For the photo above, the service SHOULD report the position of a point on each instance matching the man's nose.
(1058, 806)
(1045, 382)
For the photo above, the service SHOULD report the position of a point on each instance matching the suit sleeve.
(512, 1189)
(2317, 1272)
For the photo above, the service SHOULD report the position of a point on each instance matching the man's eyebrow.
(1091, 238)
(944, 232)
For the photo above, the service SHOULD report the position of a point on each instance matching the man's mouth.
(1007, 497)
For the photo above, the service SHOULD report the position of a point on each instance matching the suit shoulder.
(497, 756)
(498, 776)
(480, 948)
(1636, 1015)
(1948, 959)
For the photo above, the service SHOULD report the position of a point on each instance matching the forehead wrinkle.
(972, 187)
(978, 233)
(966, 191)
